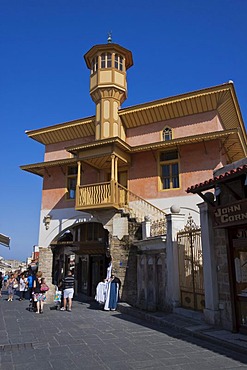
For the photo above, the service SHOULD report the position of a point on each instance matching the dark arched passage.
(83, 249)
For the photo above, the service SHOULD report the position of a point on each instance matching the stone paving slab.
(197, 328)
(89, 338)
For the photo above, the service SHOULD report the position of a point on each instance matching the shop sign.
(231, 214)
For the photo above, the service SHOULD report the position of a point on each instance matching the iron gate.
(191, 266)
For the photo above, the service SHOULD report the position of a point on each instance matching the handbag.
(15, 285)
(44, 288)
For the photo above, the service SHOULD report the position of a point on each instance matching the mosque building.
(114, 185)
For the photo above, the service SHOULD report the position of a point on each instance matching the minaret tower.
(108, 86)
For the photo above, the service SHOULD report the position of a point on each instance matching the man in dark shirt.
(68, 291)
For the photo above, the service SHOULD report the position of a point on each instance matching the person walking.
(68, 291)
(30, 280)
(22, 287)
(12, 284)
(39, 293)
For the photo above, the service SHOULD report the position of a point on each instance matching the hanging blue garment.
(113, 296)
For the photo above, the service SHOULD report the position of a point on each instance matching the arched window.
(106, 60)
(167, 134)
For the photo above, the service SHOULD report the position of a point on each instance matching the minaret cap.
(109, 39)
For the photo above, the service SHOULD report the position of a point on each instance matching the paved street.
(89, 338)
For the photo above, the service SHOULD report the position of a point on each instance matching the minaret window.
(106, 60)
(118, 62)
(167, 134)
(94, 65)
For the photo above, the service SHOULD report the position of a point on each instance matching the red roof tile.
(209, 184)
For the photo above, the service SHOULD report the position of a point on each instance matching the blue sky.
(178, 46)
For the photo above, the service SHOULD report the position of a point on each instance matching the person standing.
(5, 280)
(30, 280)
(12, 284)
(39, 294)
(68, 291)
(22, 287)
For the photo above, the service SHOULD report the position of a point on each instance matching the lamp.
(47, 221)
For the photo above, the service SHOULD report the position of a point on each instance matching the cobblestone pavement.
(90, 338)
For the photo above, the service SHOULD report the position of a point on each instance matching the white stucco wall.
(61, 219)
(188, 205)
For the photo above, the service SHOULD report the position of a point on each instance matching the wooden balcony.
(104, 195)
(113, 195)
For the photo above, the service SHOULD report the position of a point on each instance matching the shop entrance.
(91, 270)
(239, 251)
(82, 249)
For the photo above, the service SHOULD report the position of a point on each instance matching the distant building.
(7, 265)
(33, 261)
(114, 184)
(16, 264)
(4, 266)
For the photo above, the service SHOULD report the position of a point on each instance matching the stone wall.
(45, 265)
(124, 266)
(225, 306)
(152, 281)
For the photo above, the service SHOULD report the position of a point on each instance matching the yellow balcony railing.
(113, 195)
(103, 195)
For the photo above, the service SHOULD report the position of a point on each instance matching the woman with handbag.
(40, 289)
(12, 284)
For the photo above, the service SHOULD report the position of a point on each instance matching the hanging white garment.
(101, 292)
(108, 288)
(108, 271)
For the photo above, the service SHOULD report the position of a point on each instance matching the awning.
(4, 240)
(40, 168)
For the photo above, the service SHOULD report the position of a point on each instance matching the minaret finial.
(109, 39)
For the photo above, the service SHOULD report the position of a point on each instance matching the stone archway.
(82, 248)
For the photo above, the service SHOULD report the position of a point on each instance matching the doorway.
(91, 270)
(97, 264)
(239, 251)
(191, 267)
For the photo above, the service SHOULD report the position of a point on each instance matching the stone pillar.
(211, 311)
(45, 265)
(79, 173)
(142, 281)
(151, 283)
(112, 167)
(146, 227)
(175, 223)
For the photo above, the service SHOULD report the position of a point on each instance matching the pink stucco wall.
(181, 127)
(55, 183)
(196, 164)
(57, 151)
